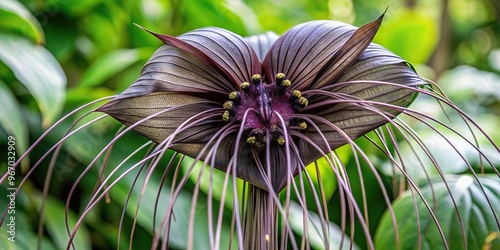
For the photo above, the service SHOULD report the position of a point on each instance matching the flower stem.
(260, 229)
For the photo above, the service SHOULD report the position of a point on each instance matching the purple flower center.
(264, 102)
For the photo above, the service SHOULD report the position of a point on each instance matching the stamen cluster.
(264, 102)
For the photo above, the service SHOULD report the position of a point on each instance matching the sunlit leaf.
(478, 13)
(444, 154)
(494, 59)
(21, 237)
(179, 225)
(63, 46)
(104, 30)
(468, 85)
(76, 7)
(475, 210)
(11, 119)
(213, 181)
(55, 226)
(314, 230)
(77, 96)
(411, 34)
(214, 13)
(328, 179)
(39, 71)
(18, 223)
(16, 17)
(111, 64)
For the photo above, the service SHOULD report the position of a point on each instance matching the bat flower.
(262, 108)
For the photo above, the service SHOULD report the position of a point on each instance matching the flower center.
(265, 102)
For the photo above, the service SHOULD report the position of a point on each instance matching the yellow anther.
(228, 105)
(251, 139)
(245, 85)
(280, 76)
(296, 93)
(303, 125)
(233, 95)
(303, 101)
(256, 77)
(225, 116)
(281, 140)
(286, 83)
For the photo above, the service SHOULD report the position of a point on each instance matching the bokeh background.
(56, 55)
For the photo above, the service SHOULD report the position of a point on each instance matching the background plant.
(91, 49)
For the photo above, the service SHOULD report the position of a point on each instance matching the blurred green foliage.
(57, 55)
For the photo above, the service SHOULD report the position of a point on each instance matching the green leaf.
(444, 147)
(79, 96)
(179, 226)
(111, 64)
(328, 179)
(215, 13)
(62, 41)
(55, 223)
(19, 222)
(314, 230)
(480, 225)
(327, 184)
(16, 17)
(11, 119)
(39, 71)
(473, 90)
(24, 237)
(76, 8)
(214, 180)
(411, 34)
(443, 153)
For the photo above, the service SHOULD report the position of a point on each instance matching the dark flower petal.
(175, 70)
(172, 78)
(374, 76)
(379, 64)
(262, 42)
(353, 117)
(181, 86)
(344, 106)
(375, 64)
(347, 54)
(223, 50)
(228, 50)
(186, 80)
(173, 109)
(303, 51)
(249, 168)
(365, 80)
